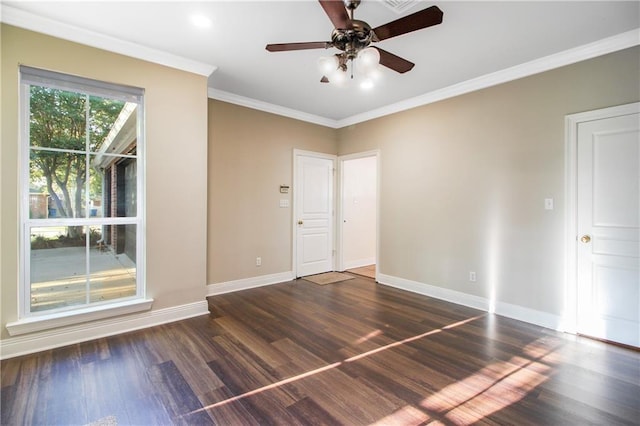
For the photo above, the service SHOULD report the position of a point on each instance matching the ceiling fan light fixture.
(339, 77)
(368, 78)
(369, 58)
(367, 66)
(374, 73)
(328, 64)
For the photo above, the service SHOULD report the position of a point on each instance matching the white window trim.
(88, 313)
(29, 322)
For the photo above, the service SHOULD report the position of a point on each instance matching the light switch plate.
(548, 203)
(284, 203)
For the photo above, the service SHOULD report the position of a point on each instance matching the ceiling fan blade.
(337, 13)
(416, 21)
(394, 62)
(283, 47)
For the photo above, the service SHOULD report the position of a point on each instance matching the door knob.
(585, 239)
(300, 222)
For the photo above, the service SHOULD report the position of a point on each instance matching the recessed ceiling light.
(201, 21)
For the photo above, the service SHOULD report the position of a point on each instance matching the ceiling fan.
(352, 36)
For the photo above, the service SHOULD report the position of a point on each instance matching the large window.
(82, 193)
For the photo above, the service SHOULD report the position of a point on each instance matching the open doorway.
(358, 219)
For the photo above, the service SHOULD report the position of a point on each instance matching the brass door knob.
(585, 239)
(300, 222)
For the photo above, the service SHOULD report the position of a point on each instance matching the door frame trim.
(570, 314)
(340, 208)
(294, 206)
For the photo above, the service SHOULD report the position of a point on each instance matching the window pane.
(60, 176)
(119, 188)
(113, 262)
(58, 267)
(57, 119)
(115, 166)
(103, 114)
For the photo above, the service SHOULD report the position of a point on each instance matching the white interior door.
(608, 223)
(314, 213)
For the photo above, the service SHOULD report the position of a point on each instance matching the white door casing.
(607, 225)
(314, 214)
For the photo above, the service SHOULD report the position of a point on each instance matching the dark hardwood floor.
(348, 353)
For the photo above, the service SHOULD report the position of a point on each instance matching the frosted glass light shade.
(327, 64)
(338, 77)
(369, 58)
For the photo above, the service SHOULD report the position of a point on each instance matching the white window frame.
(34, 321)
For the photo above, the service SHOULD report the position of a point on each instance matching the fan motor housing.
(353, 39)
(351, 4)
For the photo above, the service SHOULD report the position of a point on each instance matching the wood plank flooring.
(350, 353)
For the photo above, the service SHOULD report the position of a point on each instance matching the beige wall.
(176, 162)
(464, 181)
(250, 156)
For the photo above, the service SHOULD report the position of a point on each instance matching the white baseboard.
(49, 339)
(351, 264)
(508, 310)
(247, 283)
(532, 316)
(435, 292)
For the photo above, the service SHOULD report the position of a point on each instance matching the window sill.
(61, 319)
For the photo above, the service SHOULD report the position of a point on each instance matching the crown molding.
(547, 63)
(20, 18)
(232, 98)
(13, 16)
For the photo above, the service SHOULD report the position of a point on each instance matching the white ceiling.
(478, 44)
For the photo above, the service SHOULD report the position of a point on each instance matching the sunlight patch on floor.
(492, 388)
(407, 415)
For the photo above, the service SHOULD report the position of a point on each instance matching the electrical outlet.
(472, 276)
(258, 261)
